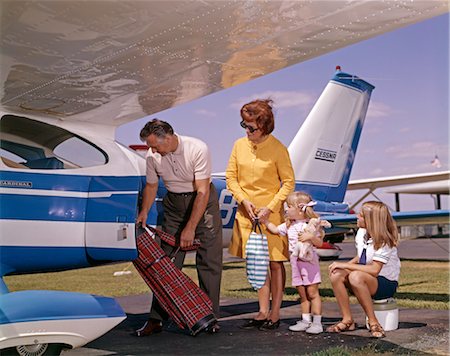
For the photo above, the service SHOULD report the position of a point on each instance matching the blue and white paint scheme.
(68, 77)
(60, 211)
(324, 148)
(52, 317)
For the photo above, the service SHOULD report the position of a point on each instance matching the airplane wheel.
(34, 350)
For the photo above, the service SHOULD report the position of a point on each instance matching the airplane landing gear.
(34, 350)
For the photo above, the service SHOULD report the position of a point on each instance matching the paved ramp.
(420, 332)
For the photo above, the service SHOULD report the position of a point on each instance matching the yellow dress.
(261, 173)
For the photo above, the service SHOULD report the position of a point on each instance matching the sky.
(407, 122)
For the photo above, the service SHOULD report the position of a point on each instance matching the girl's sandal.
(341, 326)
(377, 331)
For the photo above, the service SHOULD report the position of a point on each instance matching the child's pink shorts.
(305, 273)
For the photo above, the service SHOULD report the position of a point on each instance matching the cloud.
(379, 110)
(376, 172)
(422, 149)
(204, 112)
(282, 99)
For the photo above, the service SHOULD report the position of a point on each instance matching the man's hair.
(156, 127)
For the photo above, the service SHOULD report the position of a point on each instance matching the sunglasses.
(247, 127)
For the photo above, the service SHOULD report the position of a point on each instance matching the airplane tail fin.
(323, 151)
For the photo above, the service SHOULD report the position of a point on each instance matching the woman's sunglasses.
(249, 128)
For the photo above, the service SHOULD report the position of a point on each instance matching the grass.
(423, 285)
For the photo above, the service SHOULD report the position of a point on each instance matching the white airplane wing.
(406, 218)
(398, 180)
(438, 187)
(110, 62)
(436, 183)
(425, 183)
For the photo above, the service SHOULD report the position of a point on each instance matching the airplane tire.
(34, 350)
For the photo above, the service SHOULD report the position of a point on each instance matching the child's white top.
(292, 232)
(386, 255)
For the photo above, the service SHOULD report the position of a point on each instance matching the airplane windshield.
(29, 144)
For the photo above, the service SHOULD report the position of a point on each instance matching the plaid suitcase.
(188, 306)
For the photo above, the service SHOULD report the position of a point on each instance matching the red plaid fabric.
(170, 239)
(188, 306)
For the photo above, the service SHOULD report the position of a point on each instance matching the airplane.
(420, 183)
(71, 72)
(423, 183)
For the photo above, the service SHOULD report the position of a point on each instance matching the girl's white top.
(292, 232)
(386, 255)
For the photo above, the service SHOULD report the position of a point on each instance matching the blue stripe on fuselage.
(68, 182)
(54, 208)
(48, 258)
(65, 208)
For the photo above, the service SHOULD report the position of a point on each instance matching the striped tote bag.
(257, 256)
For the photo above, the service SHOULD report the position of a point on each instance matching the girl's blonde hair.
(297, 199)
(380, 225)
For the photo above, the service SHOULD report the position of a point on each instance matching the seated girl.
(373, 273)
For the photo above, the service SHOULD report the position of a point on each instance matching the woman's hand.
(264, 213)
(249, 208)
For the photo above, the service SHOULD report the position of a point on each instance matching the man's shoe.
(152, 326)
(213, 329)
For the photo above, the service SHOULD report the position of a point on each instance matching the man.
(191, 208)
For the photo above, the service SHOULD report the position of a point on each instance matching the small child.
(305, 274)
(304, 250)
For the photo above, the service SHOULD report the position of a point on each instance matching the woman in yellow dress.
(260, 176)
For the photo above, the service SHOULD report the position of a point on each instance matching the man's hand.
(148, 197)
(142, 219)
(187, 237)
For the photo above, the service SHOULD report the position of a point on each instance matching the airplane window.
(11, 160)
(80, 153)
(30, 144)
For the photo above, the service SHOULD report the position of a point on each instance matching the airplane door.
(112, 209)
(65, 201)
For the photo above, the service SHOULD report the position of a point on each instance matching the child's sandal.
(376, 330)
(342, 326)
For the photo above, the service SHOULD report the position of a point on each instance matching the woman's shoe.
(342, 326)
(253, 323)
(376, 330)
(270, 325)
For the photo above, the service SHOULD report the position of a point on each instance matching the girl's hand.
(334, 266)
(264, 213)
(305, 237)
(249, 208)
(264, 221)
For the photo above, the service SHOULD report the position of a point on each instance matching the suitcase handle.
(175, 249)
(155, 232)
(151, 233)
